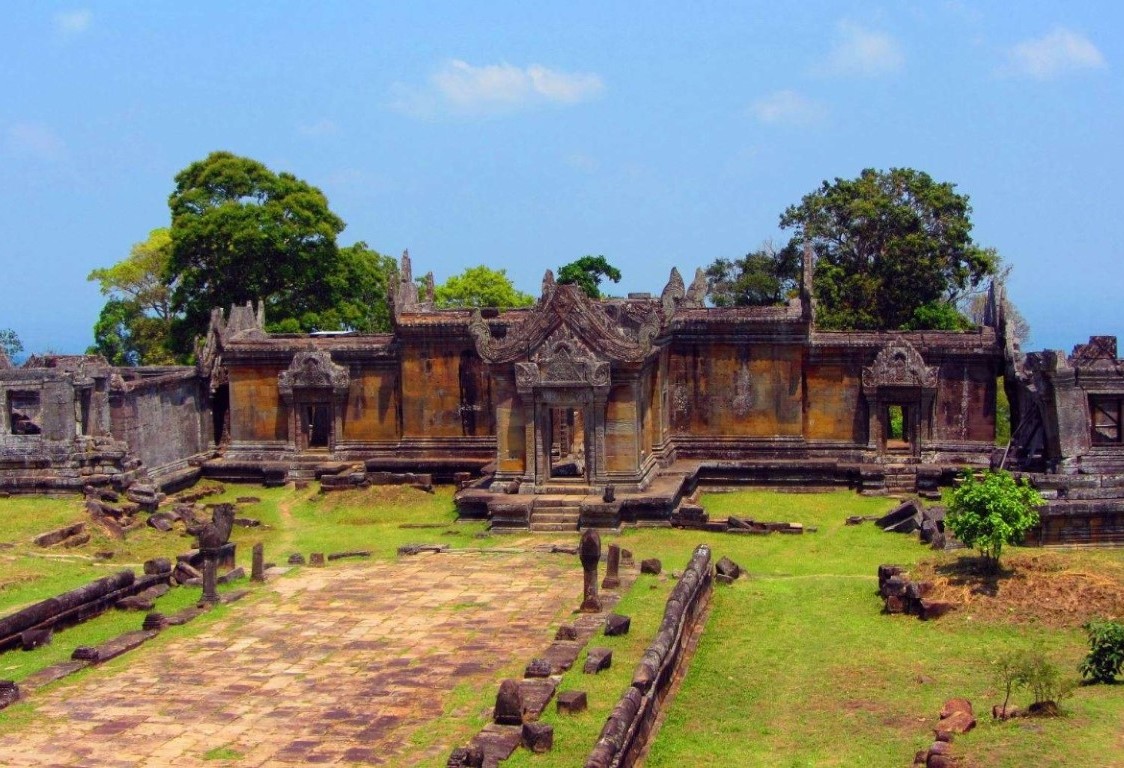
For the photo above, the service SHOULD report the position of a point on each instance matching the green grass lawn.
(798, 667)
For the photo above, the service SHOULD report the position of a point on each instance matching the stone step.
(555, 502)
(1094, 493)
(555, 517)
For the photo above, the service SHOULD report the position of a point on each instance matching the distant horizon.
(525, 137)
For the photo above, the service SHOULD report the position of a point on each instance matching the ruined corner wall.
(165, 419)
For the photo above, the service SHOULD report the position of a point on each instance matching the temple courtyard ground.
(395, 660)
(330, 666)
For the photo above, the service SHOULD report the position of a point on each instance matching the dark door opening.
(318, 423)
(567, 443)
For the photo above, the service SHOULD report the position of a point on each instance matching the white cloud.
(73, 22)
(863, 52)
(461, 88)
(35, 141)
(321, 127)
(1060, 52)
(788, 107)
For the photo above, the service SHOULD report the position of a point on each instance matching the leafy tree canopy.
(893, 250)
(587, 273)
(241, 232)
(988, 513)
(140, 276)
(480, 287)
(10, 343)
(761, 278)
(134, 327)
(125, 335)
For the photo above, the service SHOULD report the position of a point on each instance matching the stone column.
(257, 569)
(590, 553)
(612, 568)
(210, 575)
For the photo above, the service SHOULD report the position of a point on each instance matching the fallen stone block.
(719, 578)
(466, 757)
(358, 553)
(566, 632)
(50, 538)
(904, 518)
(35, 638)
(651, 565)
(538, 668)
(728, 567)
(957, 722)
(934, 609)
(538, 737)
(509, 704)
(572, 702)
(77, 540)
(316, 558)
(597, 660)
(958, 704)
(158, 565)
(9, 693)
(232, 575)
(184, 572)
(296, 559)
(615, 624)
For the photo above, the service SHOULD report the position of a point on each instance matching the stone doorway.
(318, 425)
(566, 455)
(898, 430)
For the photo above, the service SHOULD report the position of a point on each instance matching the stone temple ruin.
(576, 412)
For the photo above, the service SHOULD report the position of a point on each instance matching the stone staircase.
(556, 513)
(900, 479)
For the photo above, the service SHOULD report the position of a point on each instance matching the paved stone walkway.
(341, 665)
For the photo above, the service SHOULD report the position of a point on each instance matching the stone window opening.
(23, 413)
(1106, 417)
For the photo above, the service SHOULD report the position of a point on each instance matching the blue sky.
(522, 137)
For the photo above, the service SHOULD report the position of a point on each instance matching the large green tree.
(761, 278)
(134, 327)
(893, 250)
(587, 273)
(241, 232)
(480, 287)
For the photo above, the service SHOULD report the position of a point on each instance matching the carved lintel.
(313, 369)
(899, 364)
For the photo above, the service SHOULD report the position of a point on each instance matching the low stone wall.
(75, 606)
(629, 726)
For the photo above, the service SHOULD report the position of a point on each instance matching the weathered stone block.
(615, 624)
(572, 702)
(538, 737)
(597, 659)
(566, 632)
(652, 566)
(537, 668)
(509, 704)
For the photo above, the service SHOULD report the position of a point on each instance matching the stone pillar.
(590, 553)
(210, 575)
(612, 568)
(257, 569)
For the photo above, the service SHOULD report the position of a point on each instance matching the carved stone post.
(590, 553)
(612, 568)
(210, 575)
(257, 569)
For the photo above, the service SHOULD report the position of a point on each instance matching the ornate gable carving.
(899, 364)
(566, 305)
(562, 361)
(313, 369)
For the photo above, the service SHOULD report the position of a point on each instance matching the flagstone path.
(343, 665)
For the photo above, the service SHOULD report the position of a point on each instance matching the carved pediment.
(562, 361)
(899, 364)
(566, 306)
(313, 369)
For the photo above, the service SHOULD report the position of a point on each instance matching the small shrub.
(1032, 671)
(1045, 682)
(1106, 651)
(986, 514)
